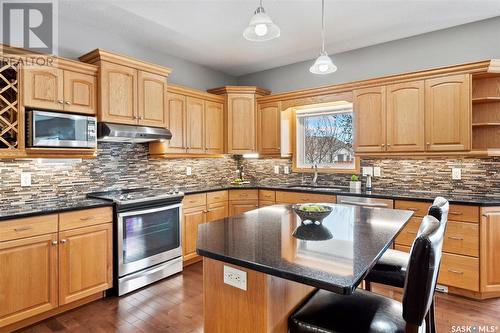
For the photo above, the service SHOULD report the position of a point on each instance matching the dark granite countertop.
(11, 211)
(395, 194)
(262, 240)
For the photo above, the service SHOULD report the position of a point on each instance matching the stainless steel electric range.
(147, 235)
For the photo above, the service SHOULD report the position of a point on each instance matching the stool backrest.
(422, 270)
(439, 209)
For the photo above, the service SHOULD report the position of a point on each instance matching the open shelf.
(481, 100)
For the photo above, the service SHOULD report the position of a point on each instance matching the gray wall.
(77, 38)
(467, 43)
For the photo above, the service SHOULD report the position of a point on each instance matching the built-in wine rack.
(9, 107)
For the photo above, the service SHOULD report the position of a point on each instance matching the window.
(324, 137)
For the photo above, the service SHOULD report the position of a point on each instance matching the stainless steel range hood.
(107, 132)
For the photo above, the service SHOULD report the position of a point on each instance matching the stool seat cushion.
(390, 269)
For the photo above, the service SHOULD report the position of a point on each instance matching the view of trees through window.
(328, 140)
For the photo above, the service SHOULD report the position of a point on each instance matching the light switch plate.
(456, 173)
(189, 171)
(377, 171)
(25, 179)
(286, 169)
(235, 277)
(277, 169)
(367, 171)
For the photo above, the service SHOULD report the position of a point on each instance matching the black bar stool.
(364, 311)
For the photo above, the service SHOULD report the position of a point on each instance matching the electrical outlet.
(377, 171)
(456, 173)
(235, 277)
(277, 169)
(286, 169)
(25, 179)
(367, 171)
(189, 171)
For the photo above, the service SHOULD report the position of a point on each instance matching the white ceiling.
(209, 32)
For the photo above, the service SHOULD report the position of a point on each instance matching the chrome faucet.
(315, 177)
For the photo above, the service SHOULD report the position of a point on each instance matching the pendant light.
(261, 28)
(323, 64)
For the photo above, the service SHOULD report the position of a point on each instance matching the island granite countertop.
(335, 255)
(19, 210)
(394, 194)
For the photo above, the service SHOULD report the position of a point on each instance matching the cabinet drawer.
(84, 218)
(409, 232)
(462, 238)
(194, 200)
(243, 194)
(299, 197)
(267, 195)
(459, 271)
(219, 196)
(464, 213)
(420, 208)
(27, 227)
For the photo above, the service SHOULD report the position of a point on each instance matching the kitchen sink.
(311, 187)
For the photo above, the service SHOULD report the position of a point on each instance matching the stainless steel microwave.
(60, 130)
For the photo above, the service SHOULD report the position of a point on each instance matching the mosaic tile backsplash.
(126, 165)
(116, 166)
(479, 176)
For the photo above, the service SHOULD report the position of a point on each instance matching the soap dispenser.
(368, 183)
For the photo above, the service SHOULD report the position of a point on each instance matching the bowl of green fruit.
(312, 212)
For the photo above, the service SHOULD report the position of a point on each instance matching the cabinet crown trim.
(239, 90)
(97, 55)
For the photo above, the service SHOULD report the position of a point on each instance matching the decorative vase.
(355, 186)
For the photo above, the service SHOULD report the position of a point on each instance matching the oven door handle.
(149, 210)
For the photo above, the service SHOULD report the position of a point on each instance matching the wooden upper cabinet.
(80, 92)
(118, 94)
(151, 96)
(43, 87)
(269, 129)
(28, 277)
(370, 119)
(195, 113)
(214, 127)
(405, 117)
(241, 118)
(447, 113)
(176, 123)
(85, 262)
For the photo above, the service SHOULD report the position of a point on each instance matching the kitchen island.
(276, 271)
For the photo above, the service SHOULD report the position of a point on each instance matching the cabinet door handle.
(414, 209)
(411, 232)
(455, 213)
(86, 218)
(382, 145)
(428, 143)
(60, 101)
(455, 238)
(455, 271)
(68, 103)
(22, 229)
(62, 241)
(141, 118)
(54, 242)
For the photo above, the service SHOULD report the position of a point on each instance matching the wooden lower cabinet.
(44, 272)
(85, 262)
(242, 206)
(264, 203)
(28, 277)
(193, 217)
(490, 251)
(198, 209)
(217, 211)
(459, 271)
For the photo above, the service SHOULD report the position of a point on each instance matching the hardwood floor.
(176, 305)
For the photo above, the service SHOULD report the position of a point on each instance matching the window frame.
(296, 135)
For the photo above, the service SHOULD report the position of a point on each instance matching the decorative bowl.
(313, 216)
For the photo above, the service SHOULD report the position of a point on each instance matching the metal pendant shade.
(323, 64)
(261, 28)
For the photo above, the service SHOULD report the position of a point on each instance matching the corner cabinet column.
(241, 117)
